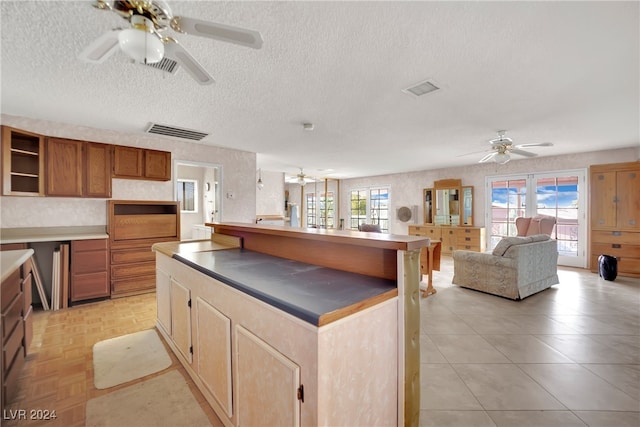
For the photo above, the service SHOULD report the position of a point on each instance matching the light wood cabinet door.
(163, 300)
(157, 165)
(213, 348)
(449, 239)
(603, 206)
(628, 199)
(97, 170)
(64, 167)
(267, 383)
(181, 319)
(127, 162)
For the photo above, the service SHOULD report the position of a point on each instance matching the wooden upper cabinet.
(64, 167)
(615, 196)
(78, 168)
(22, 163)
(127, 162)
(97, 170)
(140, 163)
(157, 165)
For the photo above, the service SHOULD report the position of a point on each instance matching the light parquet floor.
(58, 373)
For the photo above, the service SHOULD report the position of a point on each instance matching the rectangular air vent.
(421, 88)
(165, 64)
(176, 132)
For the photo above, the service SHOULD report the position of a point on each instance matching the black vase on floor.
(608, 267)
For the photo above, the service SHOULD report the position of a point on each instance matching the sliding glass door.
(558, 194)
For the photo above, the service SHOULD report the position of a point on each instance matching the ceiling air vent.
(421, 88)
(165, 64)
(176, 132)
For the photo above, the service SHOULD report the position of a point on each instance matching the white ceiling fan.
(300, 179)
(502, 148)
(146, 43)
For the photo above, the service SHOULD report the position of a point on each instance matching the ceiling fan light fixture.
(501, 158)
(140, 43)
(301, 181)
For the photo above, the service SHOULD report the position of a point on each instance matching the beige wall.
(406, 188)
(56, 211)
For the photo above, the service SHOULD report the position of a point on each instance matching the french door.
(559, 194)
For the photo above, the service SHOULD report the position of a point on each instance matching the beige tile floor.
(568, 356)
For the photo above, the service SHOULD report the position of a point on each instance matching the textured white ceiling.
(564, 72)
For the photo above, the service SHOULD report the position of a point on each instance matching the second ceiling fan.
(502, 148)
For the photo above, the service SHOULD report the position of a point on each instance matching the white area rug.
(122, 359)
(164, 400)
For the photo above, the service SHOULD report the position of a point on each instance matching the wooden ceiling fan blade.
(523, 153)
(174, 50)
(213, 30)
(488, 157)
(101, 48)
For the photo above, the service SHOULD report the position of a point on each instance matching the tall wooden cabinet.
(134, 226)
(615, 215)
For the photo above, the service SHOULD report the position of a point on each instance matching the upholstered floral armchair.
(517, 267)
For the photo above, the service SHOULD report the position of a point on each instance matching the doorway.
(197, 187)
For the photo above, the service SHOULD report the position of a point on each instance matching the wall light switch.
(231, 195)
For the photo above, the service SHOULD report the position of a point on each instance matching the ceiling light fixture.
(307, 126)
(501, 158)
(140, 43)
(301, 181)
(260, 184)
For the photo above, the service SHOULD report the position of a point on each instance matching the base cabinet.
(452, 238)
(213, 344)
(257, 365)
(16, 329)
(89, 269)
(266, 379)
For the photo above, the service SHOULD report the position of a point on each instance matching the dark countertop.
(315, 294)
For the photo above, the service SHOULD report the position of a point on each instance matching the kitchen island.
(273, 339)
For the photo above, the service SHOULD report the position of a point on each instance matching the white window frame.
(195, 195)
(579, 261)
(368, 218)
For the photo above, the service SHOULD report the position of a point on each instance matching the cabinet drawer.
(621, 237)
(139, 255)
(27, 267)
(128, 270)
(10, 288)
(12, 316)
(28, 330)
(11, 346)
(26, 290)
(468, 239)
(133, 285)
(89, 245)
(87, 286)
(468, 247)
(618, 250)
(10, 386)
(130, 227)
(89, 262)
